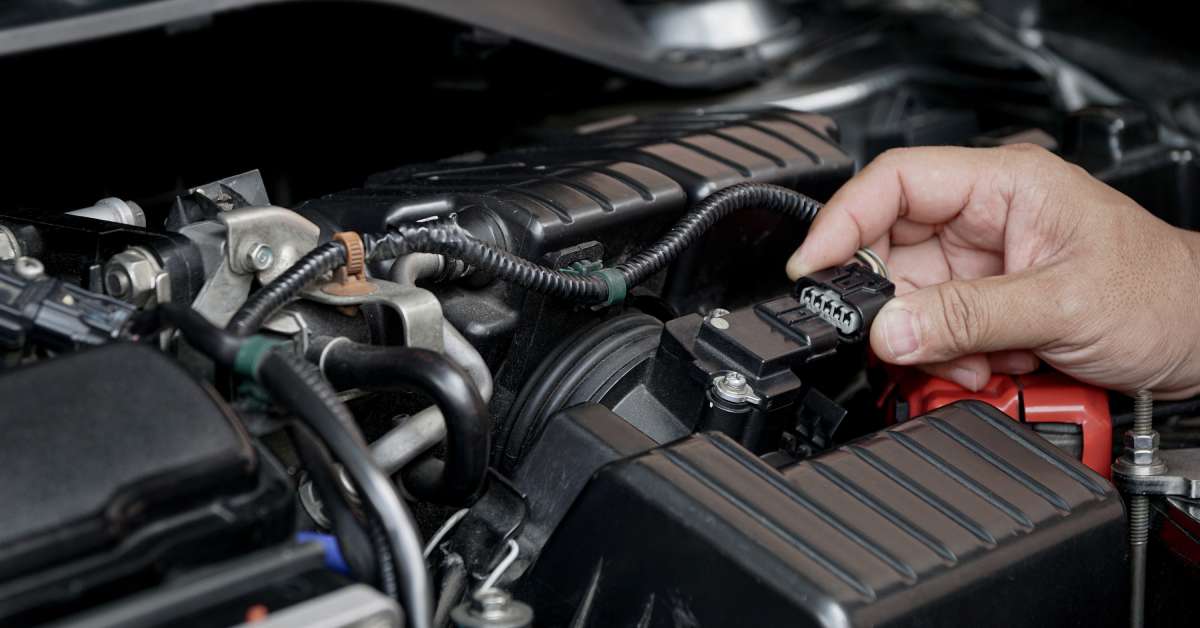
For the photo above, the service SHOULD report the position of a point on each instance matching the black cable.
(458, 478)
(220, 346)
(264, 303)
(359, 548)
(604, 286)
(296, 385)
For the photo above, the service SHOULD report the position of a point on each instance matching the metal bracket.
(419, 310)
(288, 236)
(1181, 477)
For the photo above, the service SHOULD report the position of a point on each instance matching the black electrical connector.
(846, 298)
(54, 314)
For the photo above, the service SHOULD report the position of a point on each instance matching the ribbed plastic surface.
(622, 173)
(960, 518)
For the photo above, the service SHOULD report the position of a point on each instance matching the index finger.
(929, 185)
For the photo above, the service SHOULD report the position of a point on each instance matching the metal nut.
(260, 257)
(1141, 442)
(1143, 457)
(132, 276)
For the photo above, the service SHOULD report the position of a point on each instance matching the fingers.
(970, 371)
(924, 186)
(961, 318)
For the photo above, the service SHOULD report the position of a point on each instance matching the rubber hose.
(263, 304)
(556, 382)
(298, 387)
(458, 478)
(219, 345)
(448, 239)
(359, 548)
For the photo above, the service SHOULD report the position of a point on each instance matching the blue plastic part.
(333, 552)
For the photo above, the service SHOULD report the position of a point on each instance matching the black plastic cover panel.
(959, 518)
(623, 173)
(97, 442)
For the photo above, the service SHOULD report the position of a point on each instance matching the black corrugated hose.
(607, 285)
(264, 303)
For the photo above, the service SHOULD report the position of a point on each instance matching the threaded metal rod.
(1143, 413)
(1139, 518)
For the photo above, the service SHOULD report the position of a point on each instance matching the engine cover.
(958, 518)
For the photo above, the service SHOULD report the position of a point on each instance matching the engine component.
(93, 511)
(902, 528)
(288, 583)
(115, 210)
(54, 314)
(1072, 415)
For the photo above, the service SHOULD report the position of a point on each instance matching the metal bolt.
(732, 387)
(28, 268)
(260, 257)
(718, 312)
(720, 323)
(735, 381)
(492, 608)
(1142, 435)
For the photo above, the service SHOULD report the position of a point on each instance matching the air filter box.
(958, 518)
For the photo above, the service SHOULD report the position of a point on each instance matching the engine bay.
(499, 335)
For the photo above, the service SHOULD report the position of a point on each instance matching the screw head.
(28, 268)
(260, 257)
(735, 381)
(490, 603)
(720, 323)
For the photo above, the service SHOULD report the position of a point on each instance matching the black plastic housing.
(119, 465)
(959, 518)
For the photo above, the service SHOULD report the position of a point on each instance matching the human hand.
(1005, 255)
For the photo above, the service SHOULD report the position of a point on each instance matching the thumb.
(958, 318)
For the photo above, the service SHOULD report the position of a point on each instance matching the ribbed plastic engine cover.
(962, 517)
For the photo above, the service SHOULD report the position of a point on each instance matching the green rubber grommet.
(251, 355)
(615, 280)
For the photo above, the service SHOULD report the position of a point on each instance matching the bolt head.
(720, 323)
(260, 257)
(735, 380)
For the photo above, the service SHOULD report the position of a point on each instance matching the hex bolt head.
(260, 257)
(492, 608)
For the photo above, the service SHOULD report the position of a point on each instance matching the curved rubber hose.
(458, 479)
(450, 240)
(263, 304)
(296, 385)
(220, 346)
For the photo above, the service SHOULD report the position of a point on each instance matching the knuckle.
(963, 319)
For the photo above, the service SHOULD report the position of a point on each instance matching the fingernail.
(899, 331)
(797, 267)
(965, 377)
